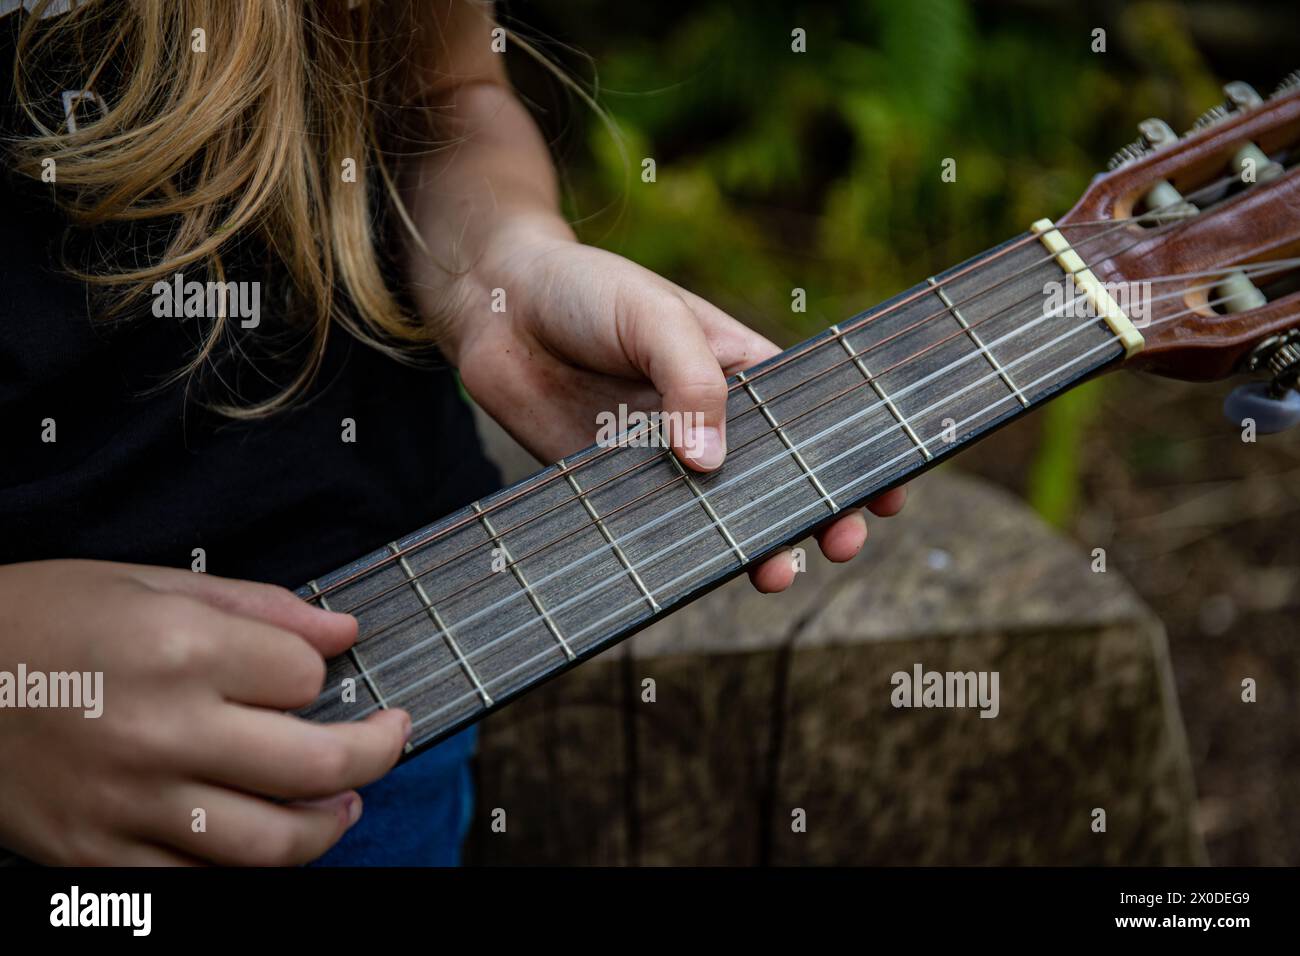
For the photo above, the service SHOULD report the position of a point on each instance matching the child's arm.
(583, 330)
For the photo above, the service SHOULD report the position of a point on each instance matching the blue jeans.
(417, 815)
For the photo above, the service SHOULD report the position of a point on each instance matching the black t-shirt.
(146, 475)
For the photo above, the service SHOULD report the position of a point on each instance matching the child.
(361, 179)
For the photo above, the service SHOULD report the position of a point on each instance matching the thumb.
(668, 345)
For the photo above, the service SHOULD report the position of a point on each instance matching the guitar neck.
(460, 617)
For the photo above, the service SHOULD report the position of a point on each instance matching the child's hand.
(195, 670)
(584, 330)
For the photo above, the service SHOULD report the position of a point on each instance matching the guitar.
(1183, 260)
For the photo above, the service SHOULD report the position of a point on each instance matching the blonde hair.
(245, 144)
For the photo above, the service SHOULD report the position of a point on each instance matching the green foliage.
(1053, 488)
(821, 170)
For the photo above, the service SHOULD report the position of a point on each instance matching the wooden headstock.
(1234, 222)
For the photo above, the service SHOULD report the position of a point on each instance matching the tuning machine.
(1273, 405)
(1156, 134)
(1249, 161)
(1237, 96)
(1163, 201)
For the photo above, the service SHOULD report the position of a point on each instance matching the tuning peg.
(1237, 96)
(1156, 134)
(1237, 293)
(1256, 401)
(1163, 201)
(1241, 96)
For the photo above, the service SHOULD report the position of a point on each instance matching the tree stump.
(772, 737)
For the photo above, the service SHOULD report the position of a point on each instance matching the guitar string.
(852, 357)
(589, 524)
(852, 326)
(783, 456)
(794, 353)
(798, 351)
(779, 457)
(706, 528)
(625, 438)
(550, 651)
(714, 524)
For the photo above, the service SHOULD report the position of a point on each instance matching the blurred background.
(821, 171)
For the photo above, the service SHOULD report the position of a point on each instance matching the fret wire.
(613, 543)
(651, 461)
(706, 505)
(979, 343)
(1110, 342)
(837, 332)
(1010, 335)
(808, 347)
(838, 425)
(523, 582)
(867, 318)
(352, 652)
(1069, 333)
(785, 440)
(1106, 344)
(879, 389)
(441, 625)
(898, 364)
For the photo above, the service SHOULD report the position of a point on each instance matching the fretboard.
(460, 617)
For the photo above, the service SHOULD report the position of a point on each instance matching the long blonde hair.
(248, 141)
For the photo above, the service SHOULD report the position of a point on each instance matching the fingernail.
(704, 446)
(406, 725)
(354, 809)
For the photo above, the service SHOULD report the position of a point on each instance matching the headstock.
(1216, 213)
